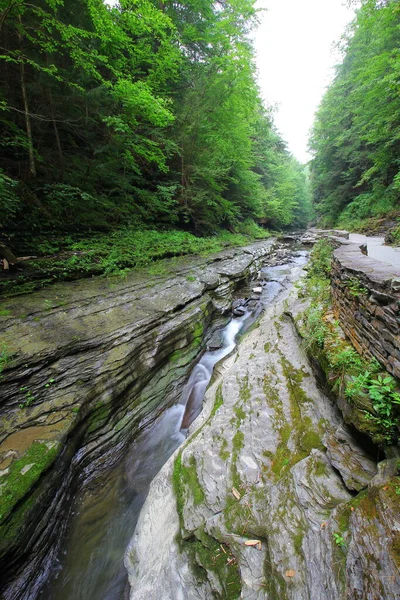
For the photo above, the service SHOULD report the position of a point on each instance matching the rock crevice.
(90, 365)
(270, 474)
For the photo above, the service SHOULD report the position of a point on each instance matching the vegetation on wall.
(372, 393)
(356, 137)
(143, 114)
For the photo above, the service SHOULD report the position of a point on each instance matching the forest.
(137, 121)
(356, 136)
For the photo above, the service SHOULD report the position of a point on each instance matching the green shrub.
(384, 396)
(254, 231)
(321, 259)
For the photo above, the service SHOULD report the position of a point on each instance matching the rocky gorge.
(271, 495)
(89, 365)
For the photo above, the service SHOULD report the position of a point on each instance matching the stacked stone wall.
(366, 300)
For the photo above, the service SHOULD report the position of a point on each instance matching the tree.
(356, 137)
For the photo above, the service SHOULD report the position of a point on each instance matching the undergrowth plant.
(124, 250)
(356, 289)
(350, 374)
(384, 396)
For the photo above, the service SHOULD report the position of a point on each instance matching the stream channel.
(90, 565)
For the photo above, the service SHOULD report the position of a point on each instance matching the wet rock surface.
(354, 464)
(270, 496)
(90, 365)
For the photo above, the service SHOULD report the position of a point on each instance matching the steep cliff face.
(88, 366)
(271, 496)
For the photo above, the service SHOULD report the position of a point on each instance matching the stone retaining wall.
(366, 299)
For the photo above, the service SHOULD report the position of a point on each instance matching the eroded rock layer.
(89, 365)
(271, 496)
(366, 298)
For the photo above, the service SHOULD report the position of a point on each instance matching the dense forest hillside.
(140, 115)
(356, 138)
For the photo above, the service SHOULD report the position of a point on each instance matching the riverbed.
(90, 564)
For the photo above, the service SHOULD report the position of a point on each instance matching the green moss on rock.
(245, 389)
(23, 474)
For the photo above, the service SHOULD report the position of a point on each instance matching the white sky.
(295, 60)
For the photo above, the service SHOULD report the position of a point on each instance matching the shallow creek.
(90, 566)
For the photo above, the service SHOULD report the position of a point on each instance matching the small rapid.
(90, 567)
(193, 394)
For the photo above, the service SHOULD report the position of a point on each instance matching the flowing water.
(91, 565)
(92, 568)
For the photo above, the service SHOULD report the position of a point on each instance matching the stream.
(90, 566)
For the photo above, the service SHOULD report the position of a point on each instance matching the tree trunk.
(32, 165)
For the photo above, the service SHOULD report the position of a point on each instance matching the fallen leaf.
(236, 493)
(252, 542)
(290, 573)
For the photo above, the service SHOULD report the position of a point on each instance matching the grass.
(120, 252)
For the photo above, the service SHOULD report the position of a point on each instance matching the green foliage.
(393, 237)
(140, 115)
(384, 395)
(252, 230)
(356, 289)
(5, 357)
(317, 329)
(9, 201)
(349, 373)
(29, 398)
(339, 540)
(128, 249)
(355, 172)
(321, 259)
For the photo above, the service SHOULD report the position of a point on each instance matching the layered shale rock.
(366, 299)
(87, 366)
